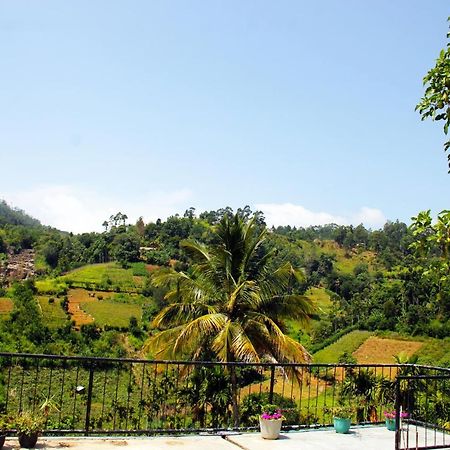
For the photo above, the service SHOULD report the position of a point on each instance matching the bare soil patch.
(6, 305)
(382, 351)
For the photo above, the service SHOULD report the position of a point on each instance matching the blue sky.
(302, 109)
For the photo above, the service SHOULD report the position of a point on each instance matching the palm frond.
(181, 313)
(201, 327)
(196, 250)
(162, 343)
(223, 342)
(243, 348)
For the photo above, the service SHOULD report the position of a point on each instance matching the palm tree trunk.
(234, 398)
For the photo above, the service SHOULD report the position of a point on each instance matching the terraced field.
(377, 350)
(107, 276)
(6, 306)
(103, 308)
(348, 343)
(52, 313)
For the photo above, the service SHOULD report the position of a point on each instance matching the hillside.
(15, 216)
(101, 284)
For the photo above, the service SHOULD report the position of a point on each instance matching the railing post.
(89, 399)
(397, 415)
(272, 382)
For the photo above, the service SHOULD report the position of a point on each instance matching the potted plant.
(4, 426)
(28, 427)
(270, 421)
(390, 418)
(342, 417)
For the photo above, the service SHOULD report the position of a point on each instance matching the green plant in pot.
(29, 424)
(390, 416)
(342, 417)
(28, 427)
(4, 427)
(270, 421)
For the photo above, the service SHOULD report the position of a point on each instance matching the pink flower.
(272, 415)
(392, 414)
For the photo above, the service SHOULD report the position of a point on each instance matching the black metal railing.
(133, 396)
(423, 409)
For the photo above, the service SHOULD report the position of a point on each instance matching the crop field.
(382, 351)
(107, 276)
(348, 343)
(6, 306)
(111, 313)
(104, 308)
(50, 286)
(52, 313)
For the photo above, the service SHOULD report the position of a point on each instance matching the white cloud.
(75, 209)
(371, 217)
(299, 216)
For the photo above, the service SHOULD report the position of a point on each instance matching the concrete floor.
(367, 438)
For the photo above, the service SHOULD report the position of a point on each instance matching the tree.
(140, 226)
(126, 248)
(436, 101)
(231, 304)
(431, 247)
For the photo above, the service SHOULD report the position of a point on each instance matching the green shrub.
(251, 408)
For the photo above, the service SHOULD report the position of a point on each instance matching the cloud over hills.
(296, 215)
(77, 209)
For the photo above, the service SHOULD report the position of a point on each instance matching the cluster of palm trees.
(231, 304)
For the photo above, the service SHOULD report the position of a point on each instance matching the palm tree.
(231, 302)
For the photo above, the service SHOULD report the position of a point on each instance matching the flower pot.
(390, 424)
(2, 441)
(341, 425)
(28, 440)
(270, 429)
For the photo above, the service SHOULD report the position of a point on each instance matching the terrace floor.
(367, 438)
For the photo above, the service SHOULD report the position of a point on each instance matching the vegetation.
(123, 312)
(343, 347)
(436, 101)
(93, 289)
(230, 305)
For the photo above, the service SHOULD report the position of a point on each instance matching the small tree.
(436, 101)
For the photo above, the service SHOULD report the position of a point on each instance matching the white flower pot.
(270, 429)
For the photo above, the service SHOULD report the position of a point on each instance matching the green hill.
(15, 216)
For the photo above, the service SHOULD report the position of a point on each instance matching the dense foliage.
(435, 103)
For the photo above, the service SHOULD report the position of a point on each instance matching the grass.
(52, 313)
(320, 298)
(107, 276)
(347, 260)
(51, 286)
(322, 301)
(139, 269)
(435, 352)
(110, 313)
(348, 343)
